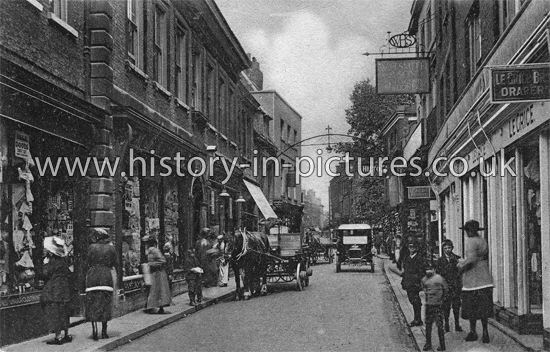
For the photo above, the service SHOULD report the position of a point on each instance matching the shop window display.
(171, 217)
(131, 240)
(531, 186)
(32, 208)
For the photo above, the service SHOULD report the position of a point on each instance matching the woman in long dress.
(160, 295)
(477, 283)
(56, 293)
(100, 282)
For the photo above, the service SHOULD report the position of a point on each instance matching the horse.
(248, 251)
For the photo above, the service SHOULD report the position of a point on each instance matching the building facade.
(151, 91)
(501, 180)
(286, 132)
(313, 210)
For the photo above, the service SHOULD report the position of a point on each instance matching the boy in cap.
(193, 277)
(435, 288)
(447, 267)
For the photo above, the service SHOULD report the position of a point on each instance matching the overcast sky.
(310, 53)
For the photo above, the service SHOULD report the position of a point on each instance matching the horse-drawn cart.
(287, 260)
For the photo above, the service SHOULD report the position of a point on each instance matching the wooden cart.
(287, 260)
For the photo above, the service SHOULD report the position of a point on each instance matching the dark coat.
(190, 263)
(413, 272)
(447, 268)
(101, 259)
(57, 287)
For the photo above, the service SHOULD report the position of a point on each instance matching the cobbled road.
(346, 311)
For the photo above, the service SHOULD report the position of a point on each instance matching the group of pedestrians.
(451, 283)
(100, 285)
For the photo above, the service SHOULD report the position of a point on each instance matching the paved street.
(348, 311)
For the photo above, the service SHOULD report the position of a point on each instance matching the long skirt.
(99, 305)
(477, 304)
(159, 292)
(57, 316)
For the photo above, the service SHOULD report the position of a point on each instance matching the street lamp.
(224, 193)
(240, 199)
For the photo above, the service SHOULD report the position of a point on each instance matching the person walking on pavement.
(202, 246)
(101, 262)
(223, 264)
(477, 283)
(159, 292)
(412, 265)
(435, 288)
(447, 267)
(193, 277)
(56, 293)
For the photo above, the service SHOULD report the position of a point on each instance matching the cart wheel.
(299, 281)
(338, 267)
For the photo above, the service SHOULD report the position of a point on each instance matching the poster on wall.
(128, 196)
(22, 145)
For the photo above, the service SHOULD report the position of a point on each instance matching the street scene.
(274, 175)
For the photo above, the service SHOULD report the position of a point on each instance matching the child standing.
(435, 288)
(446, 267)
(193, 276)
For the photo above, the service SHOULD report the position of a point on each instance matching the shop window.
(513, 226)
(131, 224)
(33, 206)
(171, 218)
(532, 216)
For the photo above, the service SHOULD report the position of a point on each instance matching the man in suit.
(413, 265)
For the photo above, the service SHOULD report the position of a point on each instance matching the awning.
(261, 200)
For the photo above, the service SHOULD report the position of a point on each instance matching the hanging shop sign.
(419, 192)
(520, 84)
(402, 40)
(403, 76)
(22, 149)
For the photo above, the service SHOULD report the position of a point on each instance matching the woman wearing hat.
(101, 261)
(56, 293)
(477, 283)
(160, 295)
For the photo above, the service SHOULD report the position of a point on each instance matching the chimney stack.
(255, 74)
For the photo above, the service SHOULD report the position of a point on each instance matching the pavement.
(131, 326)
(502, 338)
(126, 328)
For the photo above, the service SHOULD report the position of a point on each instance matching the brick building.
(150, 84)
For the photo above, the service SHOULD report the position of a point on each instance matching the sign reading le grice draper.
(520, 84)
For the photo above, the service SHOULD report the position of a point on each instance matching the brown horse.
(248, 258)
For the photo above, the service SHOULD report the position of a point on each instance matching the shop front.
(505, 187)
(156, 199)
(44, 132)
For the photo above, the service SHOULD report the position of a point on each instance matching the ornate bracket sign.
(520, 84)
(402, 40)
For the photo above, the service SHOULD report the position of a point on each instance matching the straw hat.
(56, 246)
(101, 233)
